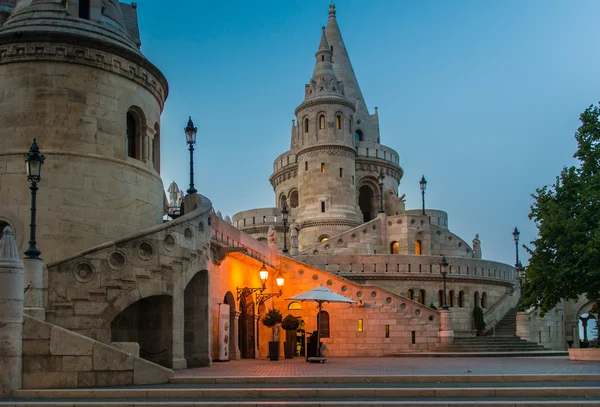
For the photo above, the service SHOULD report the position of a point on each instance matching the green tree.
(565, 261)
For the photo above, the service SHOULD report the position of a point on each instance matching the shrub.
(478, 318)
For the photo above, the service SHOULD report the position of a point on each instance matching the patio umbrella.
(320, 295)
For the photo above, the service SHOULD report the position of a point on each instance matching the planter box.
(584, 354)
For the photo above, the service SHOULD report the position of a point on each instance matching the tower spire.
(324, 80)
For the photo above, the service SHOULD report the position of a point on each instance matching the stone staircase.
(376, 391)
(501, 340)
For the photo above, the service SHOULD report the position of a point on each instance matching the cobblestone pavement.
(381, 366)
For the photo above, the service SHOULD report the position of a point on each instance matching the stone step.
(481, 354)
(302, 393)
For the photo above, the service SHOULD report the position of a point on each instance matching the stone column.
(235, 353)
(446, 332)
(178, 355)
(33, 270)
(256, 321)
(11, 315)
(523, 328)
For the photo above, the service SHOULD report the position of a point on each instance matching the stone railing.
(229, 235)
(495, 313)
(284, 160)
(349, 237)
(371, 150)
(379, 265)
(261, 217)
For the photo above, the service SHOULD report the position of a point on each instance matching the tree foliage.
(565, 261)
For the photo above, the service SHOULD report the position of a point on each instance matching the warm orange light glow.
(264, 274)
(279, 280)
(418, 247)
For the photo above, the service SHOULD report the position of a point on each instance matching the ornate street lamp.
(423, 184)
(381, 178)
(33, 163)
(261, 296)
(190, 137)
(444, 271)
(284, 217)
(264, 275)
(516, 235)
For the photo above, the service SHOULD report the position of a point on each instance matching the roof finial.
(332, 10)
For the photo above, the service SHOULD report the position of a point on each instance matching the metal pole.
(423, 200)
(445, 306)
(32, 252)
(285, 250)
(191, 189)
(381, 199)
(517, 250)
(319, 329)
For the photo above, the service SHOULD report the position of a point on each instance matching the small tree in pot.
(478, 320)
(290, 324)
(272, 318)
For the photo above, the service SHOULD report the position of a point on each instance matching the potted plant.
(290, 324)
(479, 321)
(272, 318)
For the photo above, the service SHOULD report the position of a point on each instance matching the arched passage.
(149, 322)
(365, 201)
(394, 248)
(196, 319)
(294, 199)
(246, 325)
(234, 351)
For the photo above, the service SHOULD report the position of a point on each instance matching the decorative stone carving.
(271, 235)
(476, 247)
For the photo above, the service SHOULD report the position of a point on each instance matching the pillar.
(179, 361)
(11, 315)
(234, 352)
(256, 321)
(33, 270)
(523, 327)
(446, 332)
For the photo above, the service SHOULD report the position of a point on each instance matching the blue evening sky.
(482, 97)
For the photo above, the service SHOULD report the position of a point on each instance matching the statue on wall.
(476, 247)
(271, 237)
(294, 235)
(394, 205)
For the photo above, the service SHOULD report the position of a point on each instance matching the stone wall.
(548, 331)
(54, 357)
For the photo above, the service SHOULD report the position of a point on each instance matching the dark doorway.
(365, 201)
(195, 321)
(230, 300)
(149, 322)
(246, 336)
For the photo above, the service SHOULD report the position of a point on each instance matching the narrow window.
(244, 221)
(414, 337)
(322, 57)
(338, 122)
(305, 165)
(306, 125)
(331, 48)
(264, 219)
(353, 180)
(422, 297)
(288, 160)
(387, 331)
(321, 122)
(84, 9)
(367, 151)
(395, 248)
(322, 206)
(410, 294)
(322, 167)
(418, 247)
(131, 133)
(360, 325)
(341, 172)
(253, 222)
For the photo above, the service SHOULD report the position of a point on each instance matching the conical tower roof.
(324, 82)
(341, 62)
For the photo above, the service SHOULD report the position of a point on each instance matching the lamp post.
(423, 184)
(261, 296)
(190, 136)
(33, 163)
(444, 271)
(284, 217)
(516, 235)
(381, 178)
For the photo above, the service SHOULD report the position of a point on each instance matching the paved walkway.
(378, 366)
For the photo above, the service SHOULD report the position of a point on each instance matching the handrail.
(493, 327)
(499, 302)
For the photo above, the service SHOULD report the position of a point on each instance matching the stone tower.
(72, 75)
(329, 177)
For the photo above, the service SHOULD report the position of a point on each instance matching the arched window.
(338, 121)
(418, 247)
(461, 299)
(440, 298)
(156, 148)
(323, 239)
(3, 225)
(131, 135)
(295, 305)
(84, 9)
(323, 324)
(422, 297)
(306, 125)
(484, 300)
(358, 136)
(365, 202)
(476, 299)
(451, 298)
(282, 201)
(321, 122)
(411, 294)
(294, 199)
(395, 248)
